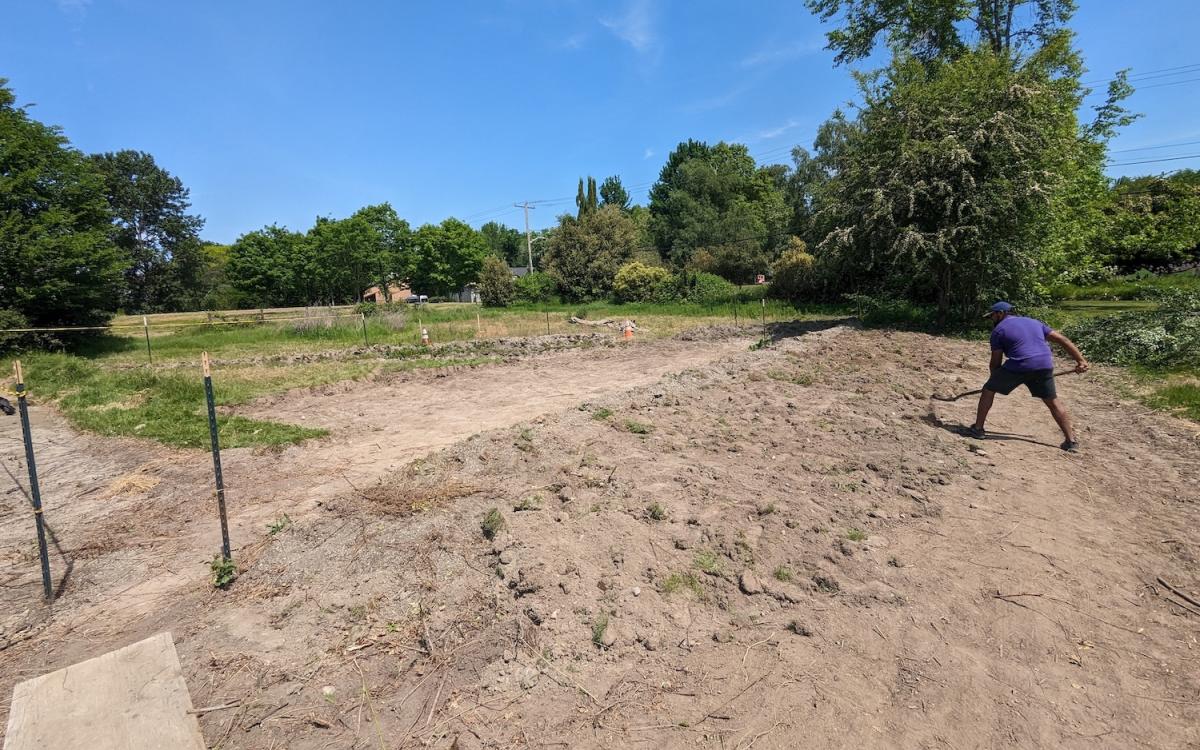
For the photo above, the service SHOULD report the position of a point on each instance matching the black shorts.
(1039, 382)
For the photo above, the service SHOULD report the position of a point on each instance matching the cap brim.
(986, 314)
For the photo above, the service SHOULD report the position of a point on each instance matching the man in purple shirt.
(1021, 356)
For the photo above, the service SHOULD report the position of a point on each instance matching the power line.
(1171, 83)
(1153, 148)
(1152, 161)
(1158, 73)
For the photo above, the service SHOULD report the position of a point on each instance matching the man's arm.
(1081, 363)
(997, 358)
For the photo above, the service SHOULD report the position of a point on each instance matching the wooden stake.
(146, 328)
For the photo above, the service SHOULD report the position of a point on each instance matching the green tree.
(391, 248)
(587, 201)
(270, 267)
(344, 258)
(152, 226)
(709, 196)
(935, 29)
(1154, 222)
(59, 264)
(584, 254)
(217, 291)
(613, 193)
(496, 283)
(943, 184)
(371, 246)
(448, 257)
(505, 242)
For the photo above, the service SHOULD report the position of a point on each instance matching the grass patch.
(783, 573)
(637, 428)
(856, 535)
(602, 413)
(530, 502)
(167, 406)
(708, 562)
(683, 582)
(1182, 399)
(599, 625)
(492, 523)
(787, 377)
(656, 512)
(1136, 286)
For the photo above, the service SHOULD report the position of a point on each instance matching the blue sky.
(276, 111)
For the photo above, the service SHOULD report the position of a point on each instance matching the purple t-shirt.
(1023, 341)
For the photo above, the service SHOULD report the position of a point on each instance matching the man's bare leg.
(985, 405)
(1061, 417)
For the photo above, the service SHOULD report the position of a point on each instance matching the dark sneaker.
(1070, 446)
(976, 432)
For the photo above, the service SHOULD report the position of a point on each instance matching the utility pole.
(528, 241)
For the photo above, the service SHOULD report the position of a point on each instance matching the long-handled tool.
(978, 391)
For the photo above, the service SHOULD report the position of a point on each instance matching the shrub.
(1166, 337)
(224, 571)
(709, 289)
(792, 276)
(496, 288)
(492, 524)
(891, 312)
(637, 282)
(536, 287)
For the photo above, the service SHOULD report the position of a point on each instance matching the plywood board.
(133, 698)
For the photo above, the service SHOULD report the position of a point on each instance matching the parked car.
(417, 299)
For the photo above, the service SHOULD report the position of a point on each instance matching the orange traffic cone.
(628, 328)
(425, 336)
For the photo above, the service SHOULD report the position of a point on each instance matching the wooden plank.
(133, 698)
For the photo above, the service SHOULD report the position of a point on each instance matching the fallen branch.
(210, 709)
(1177, 592)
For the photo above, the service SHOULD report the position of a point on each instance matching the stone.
(723, 636)
(609, 637)
(637, 591)
(749, 583)
(507, 556)
(529, 678)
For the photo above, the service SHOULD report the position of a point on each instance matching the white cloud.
(74, 6)
(648, 153)
(719, 101)
(636, 26)
(772, 54)
(775, 132)
(575, 41)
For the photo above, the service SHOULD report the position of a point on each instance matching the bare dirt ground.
(703, 546)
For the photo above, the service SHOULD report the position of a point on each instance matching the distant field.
(289, 330)
(108, 385)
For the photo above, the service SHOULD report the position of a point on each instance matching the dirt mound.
(777, 547)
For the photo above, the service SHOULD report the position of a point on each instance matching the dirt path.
(376, 429)
(136, 517)
(794, 547)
